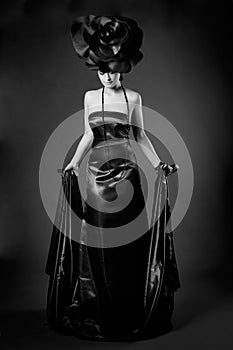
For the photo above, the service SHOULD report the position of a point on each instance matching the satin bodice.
(114, 123)
(111, 150)
(111, 157)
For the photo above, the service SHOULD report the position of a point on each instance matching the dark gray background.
(186, 75)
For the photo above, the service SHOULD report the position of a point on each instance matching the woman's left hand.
(168, 169)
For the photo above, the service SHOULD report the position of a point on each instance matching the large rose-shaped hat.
(108, 43)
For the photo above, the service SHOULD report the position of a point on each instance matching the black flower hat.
(107, 43)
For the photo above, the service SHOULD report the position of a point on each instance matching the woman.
(117, 289)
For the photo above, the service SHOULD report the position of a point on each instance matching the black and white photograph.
(116, 162)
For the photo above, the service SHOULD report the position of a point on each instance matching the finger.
(173, 169)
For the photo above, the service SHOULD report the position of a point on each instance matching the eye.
(101, 73)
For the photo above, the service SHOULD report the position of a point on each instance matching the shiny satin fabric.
(117, 293)
(108, 181)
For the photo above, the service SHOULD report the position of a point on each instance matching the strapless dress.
(98, 290)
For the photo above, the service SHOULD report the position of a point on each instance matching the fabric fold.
(82, 302)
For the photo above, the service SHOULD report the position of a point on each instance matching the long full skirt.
(99, 290)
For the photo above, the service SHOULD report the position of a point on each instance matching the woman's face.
(109, 79)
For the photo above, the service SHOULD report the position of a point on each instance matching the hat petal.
(120, 67)
(138, 56)
(102, 20)
(81, 31)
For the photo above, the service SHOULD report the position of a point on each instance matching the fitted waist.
(110, 142)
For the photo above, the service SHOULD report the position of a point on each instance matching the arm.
(140, 135)
(144, 142)
(86, 141)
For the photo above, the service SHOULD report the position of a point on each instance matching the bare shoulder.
(134, 96)
(89, 94)
(91, 97)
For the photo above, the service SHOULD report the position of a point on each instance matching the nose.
(108, 77)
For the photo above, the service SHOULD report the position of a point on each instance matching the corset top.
(114, 125)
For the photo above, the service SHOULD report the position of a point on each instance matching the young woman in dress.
(115, 291)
